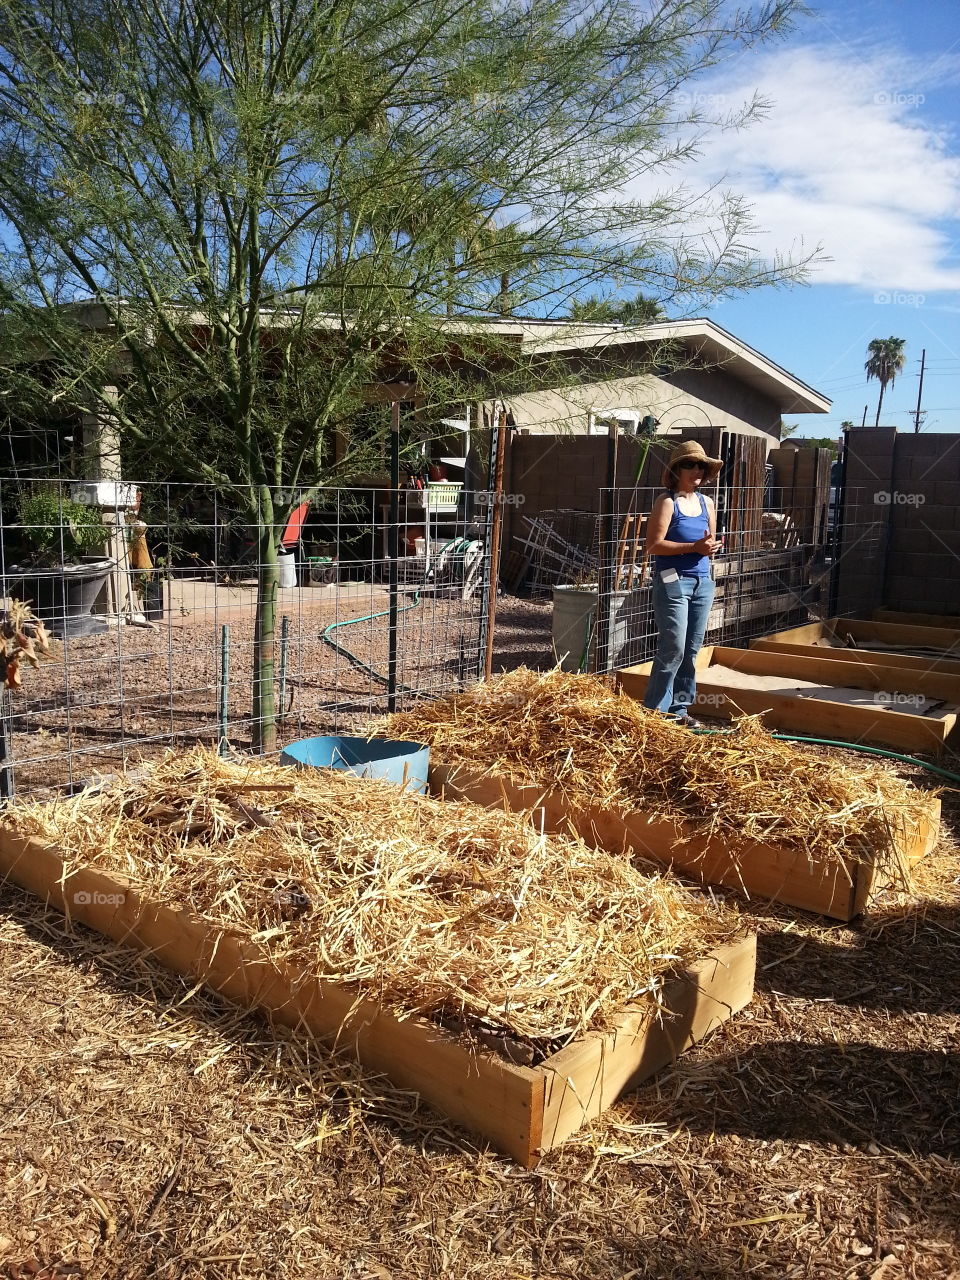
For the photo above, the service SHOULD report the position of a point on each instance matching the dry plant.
(571, 733)
(447, 910)
(24, 639)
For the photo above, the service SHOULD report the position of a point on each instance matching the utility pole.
(916, 415)
(864, 421)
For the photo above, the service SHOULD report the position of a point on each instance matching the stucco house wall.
(688, 398)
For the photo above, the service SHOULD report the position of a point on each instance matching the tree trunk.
(264, 721)
(879, 403)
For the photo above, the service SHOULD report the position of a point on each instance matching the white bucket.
(574, 619)
(287, 561)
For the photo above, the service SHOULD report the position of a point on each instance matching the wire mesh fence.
(771, 573)
(156, 597)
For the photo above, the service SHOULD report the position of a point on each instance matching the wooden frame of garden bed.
(819, 717)
(949, 620)
(877, 658)
(522, 1111)
(940, 643)
(765, 871)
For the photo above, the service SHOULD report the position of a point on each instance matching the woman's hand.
(708, 545)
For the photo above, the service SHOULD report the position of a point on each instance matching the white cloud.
(848, 157)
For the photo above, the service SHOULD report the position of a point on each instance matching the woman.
(681, 539)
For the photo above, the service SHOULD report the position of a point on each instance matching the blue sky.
(859, 153)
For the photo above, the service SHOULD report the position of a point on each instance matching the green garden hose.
(325, 635)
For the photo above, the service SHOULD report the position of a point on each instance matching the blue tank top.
(686, 529)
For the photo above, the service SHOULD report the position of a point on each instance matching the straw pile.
(571, 733)
(459, 914)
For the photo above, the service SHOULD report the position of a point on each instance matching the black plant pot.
(153, 599)
(63, 597)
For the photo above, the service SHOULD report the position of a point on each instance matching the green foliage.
(224, 224)
(885, 359)
(627, 311)
(823, 442)
(275, 206)
(57, 527)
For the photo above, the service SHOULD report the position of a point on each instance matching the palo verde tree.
(223, 220)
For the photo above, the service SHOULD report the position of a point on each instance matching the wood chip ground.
(149, 1131)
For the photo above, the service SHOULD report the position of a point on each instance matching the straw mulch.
(152, 1132)
(571, 733)
(450, 911)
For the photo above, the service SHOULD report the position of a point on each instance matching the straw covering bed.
(572, 734)
(467, 916)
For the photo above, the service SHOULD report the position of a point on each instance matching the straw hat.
(691, 451)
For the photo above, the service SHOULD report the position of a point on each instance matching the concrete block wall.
(901, 546)
(861, 568)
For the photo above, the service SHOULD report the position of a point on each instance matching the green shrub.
(51, 523)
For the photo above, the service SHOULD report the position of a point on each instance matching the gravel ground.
(114, 698)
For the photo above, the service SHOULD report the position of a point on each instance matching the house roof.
(707, 342)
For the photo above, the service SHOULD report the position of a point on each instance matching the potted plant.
(63, 568)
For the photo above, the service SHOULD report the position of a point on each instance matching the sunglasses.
(688, 466)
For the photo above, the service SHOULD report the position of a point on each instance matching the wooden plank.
(838, 670)
(757, 870)
(588, 1076)
(894, 661)
(506, 1104)
(816, 717)
(898, 634)
(806, 635)
(951, 620)
(914, 844)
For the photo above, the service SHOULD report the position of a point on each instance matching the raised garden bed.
(918, 645)
(522, 1111)
(840, 890)
(822, 697)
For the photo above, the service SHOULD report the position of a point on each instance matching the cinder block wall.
(901, 543)
(923, 565)
(563, 471)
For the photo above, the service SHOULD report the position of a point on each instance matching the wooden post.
(393, 551)
(605, 583)
(496, 529)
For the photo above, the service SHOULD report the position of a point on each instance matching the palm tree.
(885, 359)
(628, 311)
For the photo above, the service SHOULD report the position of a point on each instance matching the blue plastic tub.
(405, 763)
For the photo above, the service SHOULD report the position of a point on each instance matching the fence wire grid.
(154, 631)
(155, 620)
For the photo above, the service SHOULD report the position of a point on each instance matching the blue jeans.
(681, 610)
